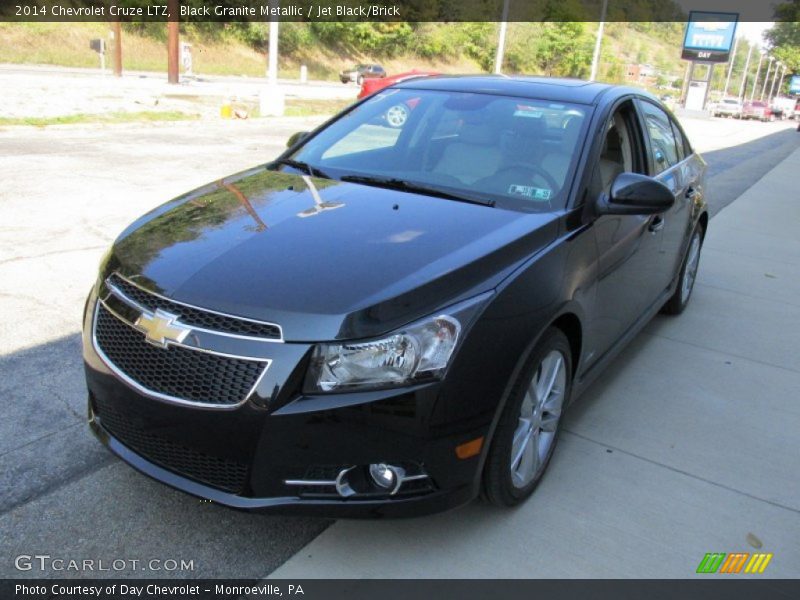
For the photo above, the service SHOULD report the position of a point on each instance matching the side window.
(679, 142)
(617, 154)
(664, 150)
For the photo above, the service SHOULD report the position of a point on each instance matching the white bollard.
(272, 101)
(303, 74)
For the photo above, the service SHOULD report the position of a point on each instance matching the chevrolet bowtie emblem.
(161, 328)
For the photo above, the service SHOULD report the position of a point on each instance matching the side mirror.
(634, 194)
(296, 138)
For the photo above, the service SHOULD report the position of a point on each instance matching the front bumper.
(243, 457)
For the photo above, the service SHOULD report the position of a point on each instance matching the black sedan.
(392, 320)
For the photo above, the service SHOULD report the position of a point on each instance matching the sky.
(753, 31)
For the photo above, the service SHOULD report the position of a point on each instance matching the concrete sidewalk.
(690, 442)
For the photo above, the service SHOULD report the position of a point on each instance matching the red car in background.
(396, 116)
(757, 110)
(370, 86)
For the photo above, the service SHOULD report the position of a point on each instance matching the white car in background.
(728, 107)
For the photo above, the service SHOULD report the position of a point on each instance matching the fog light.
(383, 475)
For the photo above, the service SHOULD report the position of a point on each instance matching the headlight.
(418, 352)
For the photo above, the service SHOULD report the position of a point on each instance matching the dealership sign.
(709, 36)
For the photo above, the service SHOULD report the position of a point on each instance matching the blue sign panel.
(709, 36)
(794, 84)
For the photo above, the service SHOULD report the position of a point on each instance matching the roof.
(542, 88)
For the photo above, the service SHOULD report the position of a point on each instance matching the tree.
(784, 37)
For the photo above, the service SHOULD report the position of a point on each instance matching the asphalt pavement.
(67, 193)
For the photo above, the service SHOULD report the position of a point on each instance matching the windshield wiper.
(402, 185)
(301, 166)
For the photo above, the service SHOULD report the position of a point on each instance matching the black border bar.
(709, 587)
(380, 10)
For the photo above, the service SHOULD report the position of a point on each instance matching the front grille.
(196, 317)
(176, 372)
(217, 472)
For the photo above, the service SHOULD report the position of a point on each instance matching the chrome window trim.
(132, 383)
(121, 295)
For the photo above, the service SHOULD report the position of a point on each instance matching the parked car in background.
(784, 108)
(359, 73)
(370, 86)
(391, 321)
(397, 114)
(757, 110)
(728, 107)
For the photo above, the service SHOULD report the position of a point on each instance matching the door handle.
(656, 224)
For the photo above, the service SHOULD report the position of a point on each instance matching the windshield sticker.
(528, 191)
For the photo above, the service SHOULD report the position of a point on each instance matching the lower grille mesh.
(175, 372)
(221, 473)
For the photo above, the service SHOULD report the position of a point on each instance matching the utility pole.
(501, 41)
(730, 67)
(117, 32)
(744, 74)
(766, 78)
(272, 99)
(758, 72)
(598, 41)
(172, 41)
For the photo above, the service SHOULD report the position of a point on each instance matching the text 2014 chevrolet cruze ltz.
(392, 320)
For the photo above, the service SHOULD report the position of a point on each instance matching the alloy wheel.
(690, 272)
(539, 416)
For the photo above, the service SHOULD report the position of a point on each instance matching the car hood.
(322, 258)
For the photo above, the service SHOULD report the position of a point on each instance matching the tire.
(523, 415)
(680, 298)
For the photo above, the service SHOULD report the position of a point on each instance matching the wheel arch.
(569, 323)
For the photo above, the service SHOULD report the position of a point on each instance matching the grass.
(100, 118)
(67, 44)
(296, 107)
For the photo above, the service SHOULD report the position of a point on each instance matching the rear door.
(671, 162)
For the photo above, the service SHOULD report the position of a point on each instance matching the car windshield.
(517, 153)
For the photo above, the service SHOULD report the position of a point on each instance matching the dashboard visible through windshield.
(515, 152)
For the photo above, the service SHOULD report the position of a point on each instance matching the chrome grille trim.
(182, 344)
(125, 298)
(132, 383)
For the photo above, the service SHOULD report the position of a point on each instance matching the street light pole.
(598, 42)
(766, 78)
(744, 74)
(758, 72)
(774, 81)
(272, 53)
(780, 83)
(730, 67)
(501, 40)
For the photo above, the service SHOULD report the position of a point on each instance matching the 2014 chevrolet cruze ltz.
(391, 320)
